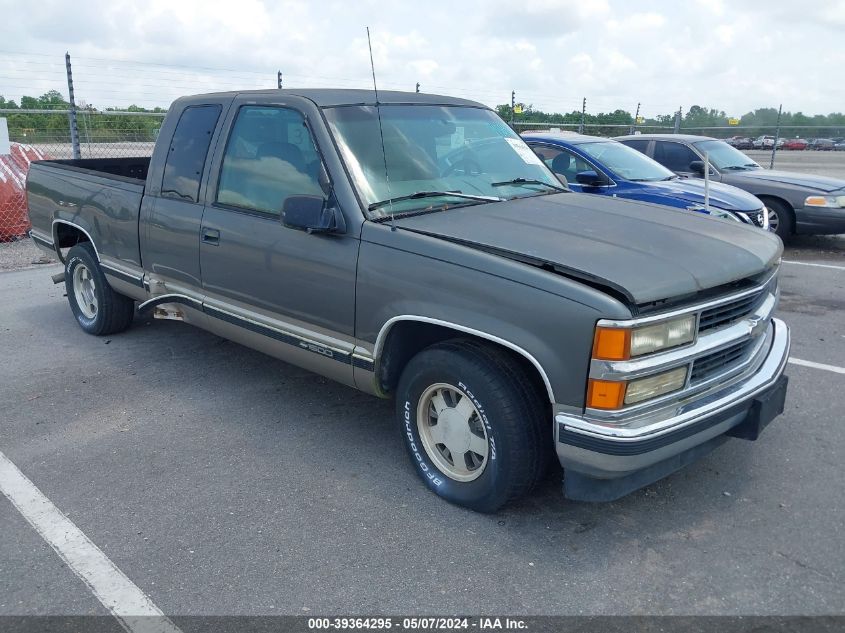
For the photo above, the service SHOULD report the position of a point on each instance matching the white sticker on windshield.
(525, 152)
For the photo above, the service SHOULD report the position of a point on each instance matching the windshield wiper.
(432, 194)
(528, 181)
(737, 167)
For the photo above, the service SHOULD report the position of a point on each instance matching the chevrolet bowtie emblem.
(755, 325)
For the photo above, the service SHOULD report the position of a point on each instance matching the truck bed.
(99, 196)
(131, 167)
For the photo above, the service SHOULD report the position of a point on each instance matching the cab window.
(639, 144)
(270, 155)
(675, 156)
(562, 162)
(185, 160)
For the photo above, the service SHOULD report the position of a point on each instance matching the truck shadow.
(348, 444)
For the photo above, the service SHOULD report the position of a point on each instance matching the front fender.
(547, 318)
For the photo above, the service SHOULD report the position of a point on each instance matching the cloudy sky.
(735, 56)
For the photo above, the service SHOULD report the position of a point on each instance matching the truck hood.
(644, 252)
(692, 190)
(819, 183)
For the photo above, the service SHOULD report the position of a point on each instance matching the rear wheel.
(98, 309)
(473, 424)
(780, 218)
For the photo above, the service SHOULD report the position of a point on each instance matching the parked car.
(821, 144)
(765, 142)
(416, 248)
(603, 166)
(740, 142)
(797, 203)
(839, 145)
(795, 144)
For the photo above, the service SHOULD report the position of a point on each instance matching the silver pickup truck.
(415, 248)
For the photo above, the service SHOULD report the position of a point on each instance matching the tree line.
(95, 126)
(99, 126)
(697, 119)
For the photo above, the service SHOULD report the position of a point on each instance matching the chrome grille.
(707, 366)
(728, 313)
(755, 218)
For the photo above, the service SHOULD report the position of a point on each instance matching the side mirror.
(590, 178)
(697, 167)
(310, 214)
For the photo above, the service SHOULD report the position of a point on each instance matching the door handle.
(211, 236)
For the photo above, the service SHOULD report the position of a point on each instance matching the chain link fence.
(39, 135)
(744, 136)
(45, 132)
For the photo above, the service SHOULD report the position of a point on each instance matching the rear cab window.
(188, 150)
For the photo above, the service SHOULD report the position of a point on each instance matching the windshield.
(626, 162)
(430, 148)
(723, 156)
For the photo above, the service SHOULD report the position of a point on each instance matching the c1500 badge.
(319, 349)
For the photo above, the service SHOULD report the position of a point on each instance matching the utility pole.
(583, 115)
(74, 128)
(678, 115)
(418, 86)
(279, 79)
(777, 137)
(636, 118)
(513, 104)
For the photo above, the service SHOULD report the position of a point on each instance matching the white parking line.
(789, 261)
(126, 602)
(809, 363)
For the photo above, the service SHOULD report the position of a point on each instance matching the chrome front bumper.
(600, 451)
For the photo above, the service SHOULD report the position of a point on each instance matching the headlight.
(624, 343)
(725, 215)
(833, 202)
(714, 212)
(653, 386)
(608, 394)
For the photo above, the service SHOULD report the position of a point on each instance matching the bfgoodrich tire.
(473, 424)
(98, 309)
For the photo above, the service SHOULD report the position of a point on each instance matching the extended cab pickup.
(418, 249)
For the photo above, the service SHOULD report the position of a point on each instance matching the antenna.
(380, 130)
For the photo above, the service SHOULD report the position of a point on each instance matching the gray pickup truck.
(416, 248)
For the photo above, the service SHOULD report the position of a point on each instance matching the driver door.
(294, 289)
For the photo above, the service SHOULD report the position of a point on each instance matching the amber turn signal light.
(612, 344)
(605, 394)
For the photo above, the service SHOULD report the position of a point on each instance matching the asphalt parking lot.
(812, 162)
(221, 481)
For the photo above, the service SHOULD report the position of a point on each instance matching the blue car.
(602, 166)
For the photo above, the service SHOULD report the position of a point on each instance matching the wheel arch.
(766, 197)
(67, 234)
(401, 337)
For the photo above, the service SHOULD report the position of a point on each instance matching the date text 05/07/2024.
(417, 623)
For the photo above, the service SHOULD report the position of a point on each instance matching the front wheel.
(780, 218)
(98, 309)
(473, 424)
